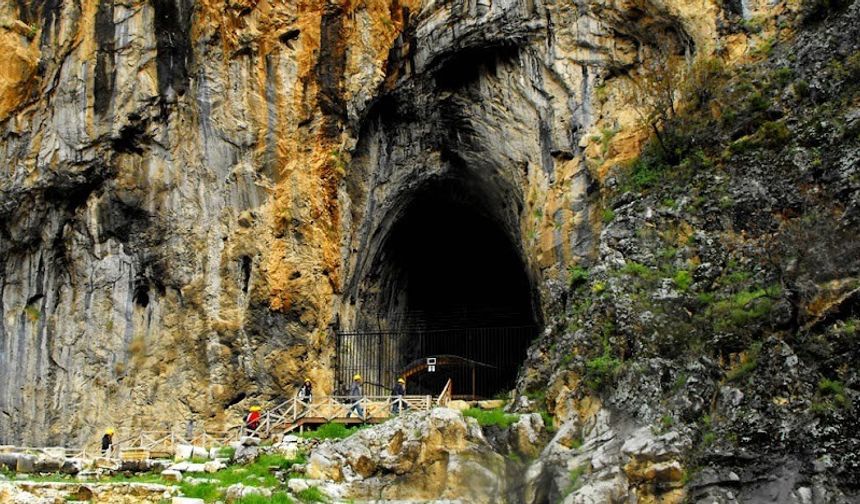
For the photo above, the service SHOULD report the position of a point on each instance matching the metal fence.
(489, 358)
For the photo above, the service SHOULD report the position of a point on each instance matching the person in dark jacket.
(107, 442)
(356, 394)
(306, 392)
(399, 391)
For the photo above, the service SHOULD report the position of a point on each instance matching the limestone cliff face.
(194, 192)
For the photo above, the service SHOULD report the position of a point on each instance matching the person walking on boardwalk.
(107, 442)
(252, 421)
(399, 391)
(306, 392)
(355, 394)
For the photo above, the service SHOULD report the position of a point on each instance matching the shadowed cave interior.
(451, 282)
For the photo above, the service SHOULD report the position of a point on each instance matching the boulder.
(72, 466)
(195, 468)
(246, 454)
(491, 404)
(213, 466)
(239, 491)
(9, 460)
(186, 500)
(422, 456)
(26, 463)
(171, 475)
(183, 452)
(107, 463)
(458, 405)
(524, 436)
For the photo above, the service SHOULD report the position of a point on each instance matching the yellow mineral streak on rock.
(20, 48)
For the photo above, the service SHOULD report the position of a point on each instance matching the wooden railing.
(283, 418)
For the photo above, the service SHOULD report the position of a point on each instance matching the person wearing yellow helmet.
(252, 421)
(356, 394)
(399, 391)
(107, 442)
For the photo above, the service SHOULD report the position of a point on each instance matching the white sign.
(431, 369)
(431, 364)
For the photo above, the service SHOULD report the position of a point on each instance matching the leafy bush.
(773, 134)
(577, 275)
(601, 370)
(487, 418)
(834, 389)
(683, 279)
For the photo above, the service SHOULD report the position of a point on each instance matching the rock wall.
(179, 209)
(196, 193)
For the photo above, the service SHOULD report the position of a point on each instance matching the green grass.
(834, 389)
(227, 452)
(638, 269)
(743, 308)
(312, 494)
(487, 418)
(208, 491)
(608, 215)
(276, 498)
(332, 431)
(548, 420)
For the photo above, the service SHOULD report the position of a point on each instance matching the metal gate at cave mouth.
(481, 362)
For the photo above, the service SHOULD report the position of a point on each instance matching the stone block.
(171, 475)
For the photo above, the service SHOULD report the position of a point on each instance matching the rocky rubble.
(420, 456)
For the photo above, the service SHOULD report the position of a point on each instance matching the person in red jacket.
(253, 419)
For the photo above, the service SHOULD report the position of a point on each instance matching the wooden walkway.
(292, 414)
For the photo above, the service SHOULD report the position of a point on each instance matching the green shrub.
(493, 417)
(601, 370)
(683, 279)
(577, 275)
(834, 389)
(773, 134)
(548, 420)
(667, 421)
(638, 269)
(608, 215)
(782, 76)
(743, 308)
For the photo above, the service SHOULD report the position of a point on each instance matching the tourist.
(107, 442)
(356, 394)
(399, 392)
(252, 422)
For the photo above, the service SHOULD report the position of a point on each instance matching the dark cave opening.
(454, 286)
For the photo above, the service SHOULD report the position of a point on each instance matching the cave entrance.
(448, 283)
